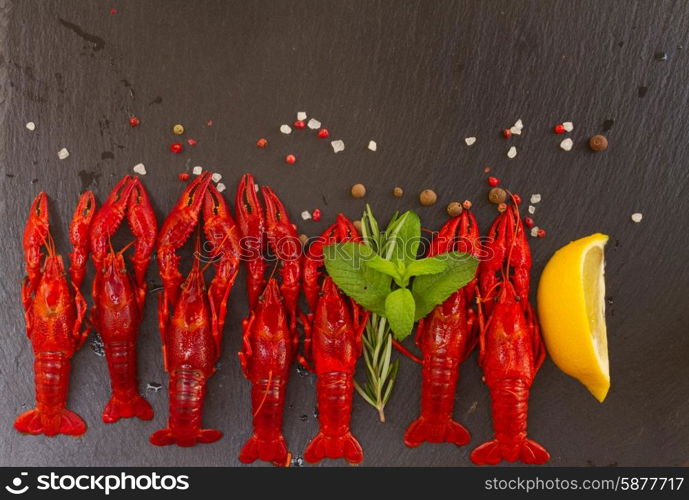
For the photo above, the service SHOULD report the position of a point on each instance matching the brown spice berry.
(303, 238)
(598, 143)
(502, 207)
(454, 209)
(358, 191)
(357, 225)
(497, 195)
(397, 192)
(427, 197)
(466, 204)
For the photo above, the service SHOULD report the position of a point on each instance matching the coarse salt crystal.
(337, 145)
(216, 177)
(197, 170)
(534, 231)
(516, 131)
(372, 145)
(220, 187)
(285, 129)
(301, 115)
(519, 124)
(512, 152)
(314, 124)
(31, 126)
(637, 217)
(569, 126)
(470, 140)
(532, 209)
(306, 215)
(567, 144)
(63, 153)
(535, 198)
(140, 169)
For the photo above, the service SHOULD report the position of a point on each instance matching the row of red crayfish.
(505, 328)
(191, 320)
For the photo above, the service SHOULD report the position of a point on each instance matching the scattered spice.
(567, 144)
(512, 152)
(313, 124)
(134, 121)
(299, 124)
(427, 197)
(466, 204)
(337, 145)
(323, 133)
(569, 126)
(301, 115)
(291, 159)
(637, 217)
(316, 214)
(493, 181)
(63, 154)
(515, 131)
(535, 198)
(285, 129)
(209, 123)
(598, 143)
(358, 191)
(183, 176)
(216, 177)
(532, 209)
(220, 187)
(540, 233)
(191, 142)
(178, 129)
(306, 215)
(140, 169)
(31, 126)
(397, 192)
(304, 239)
(534, 231)
(559, 128)
(176, 147)
(507, 133)
(470, 140)
(528, 222)
(497, 195)
(372, 145)
(262, 142)
(454, 209)
(197, 170)
(502, 207)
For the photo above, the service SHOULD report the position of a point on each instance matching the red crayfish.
(269, 333)
(333, 343)
(446, 337)
(511, 348)
(54, 311)
(118, 298)
(191, 318)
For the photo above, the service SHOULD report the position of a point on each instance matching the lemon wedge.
(571, 309)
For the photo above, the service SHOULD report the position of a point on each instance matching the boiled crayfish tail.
(79, 234)
(422, 430)
(125, 402)
(252, 226)
(344, 446)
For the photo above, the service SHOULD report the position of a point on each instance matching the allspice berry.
(358, 191)
(398, 192)
(304, 239)
(178, 129)
(598, 143)
(427, 197)
(497, 195)
(454, 209)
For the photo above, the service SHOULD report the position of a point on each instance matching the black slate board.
(417, 77)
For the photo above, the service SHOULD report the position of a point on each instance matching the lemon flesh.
(571, 310)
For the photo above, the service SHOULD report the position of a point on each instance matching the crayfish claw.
(79, 231)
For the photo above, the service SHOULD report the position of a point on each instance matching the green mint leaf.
(384, 266)
(429, 265)
(399, 310)
(405, 233)
(431, 290)
(345, 263)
